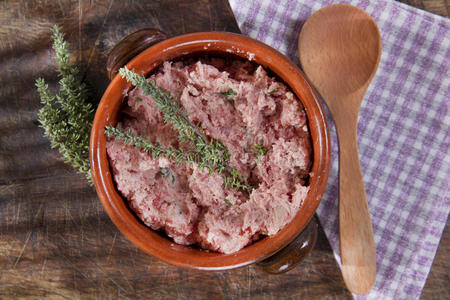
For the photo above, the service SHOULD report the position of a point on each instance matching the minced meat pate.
(190, 204)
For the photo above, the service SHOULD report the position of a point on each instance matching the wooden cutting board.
(56, 241)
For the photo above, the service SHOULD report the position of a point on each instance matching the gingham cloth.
(403, 133)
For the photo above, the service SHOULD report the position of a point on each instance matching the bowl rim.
(162, 247)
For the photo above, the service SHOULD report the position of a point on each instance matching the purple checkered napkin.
(403, 133)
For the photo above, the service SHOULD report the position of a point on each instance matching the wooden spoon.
(339, 48)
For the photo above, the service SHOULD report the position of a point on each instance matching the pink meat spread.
(190, 204)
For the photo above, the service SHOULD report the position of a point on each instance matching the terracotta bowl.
(217, 44)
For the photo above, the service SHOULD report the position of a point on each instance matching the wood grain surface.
(56, 241)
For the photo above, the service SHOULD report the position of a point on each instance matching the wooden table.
(56, 240)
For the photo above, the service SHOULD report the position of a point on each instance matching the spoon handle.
(355, 227)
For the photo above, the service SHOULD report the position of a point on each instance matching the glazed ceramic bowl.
(217, 44)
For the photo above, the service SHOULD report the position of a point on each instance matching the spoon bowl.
(339, 49)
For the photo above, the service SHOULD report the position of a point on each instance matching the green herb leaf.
(237, 181)
(261, 151)
(260, 148)
(229, 95)
(272, 91)
(138, 99)
(227, 202)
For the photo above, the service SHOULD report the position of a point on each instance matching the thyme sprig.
(208, 153)
(66, 117)
(233, 180)
(214, 155)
